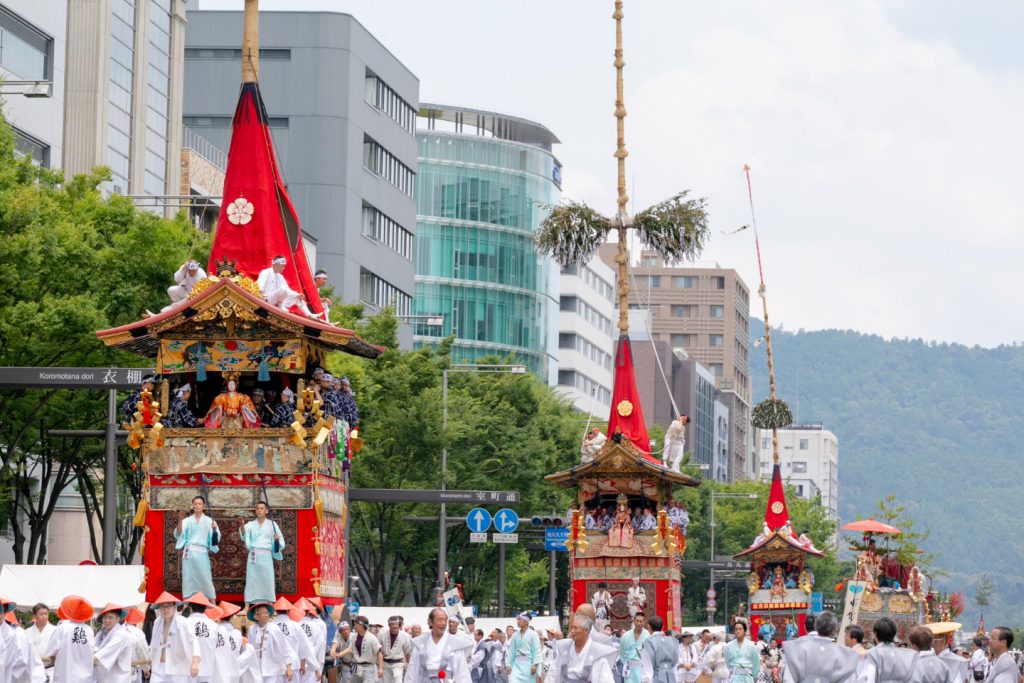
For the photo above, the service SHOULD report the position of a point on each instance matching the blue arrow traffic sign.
(506, 521)
(478, 520)
(554, 539)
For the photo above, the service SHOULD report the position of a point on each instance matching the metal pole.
(551, 582)
(711, 571)
(110, 481)
(442, 533)
(501, 580)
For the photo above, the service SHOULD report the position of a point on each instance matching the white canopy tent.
(418, 615)
(28, 584)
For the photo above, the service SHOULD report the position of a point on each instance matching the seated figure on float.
(620, 535)
(232, 409)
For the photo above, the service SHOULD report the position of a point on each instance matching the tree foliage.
(73, 262)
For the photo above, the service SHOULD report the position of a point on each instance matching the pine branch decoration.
(676, 228)
(571, 233)
(771, 414)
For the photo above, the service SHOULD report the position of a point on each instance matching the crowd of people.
(599, 518)
(197, 640)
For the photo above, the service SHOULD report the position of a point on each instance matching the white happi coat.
(114, 655)
(72, 646)
(19, 659)
(450, 653)
(177, 648)
(591, 665)
(273, 650)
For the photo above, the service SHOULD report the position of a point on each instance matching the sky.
(882, 135)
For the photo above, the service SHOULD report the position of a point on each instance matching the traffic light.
(544, 521)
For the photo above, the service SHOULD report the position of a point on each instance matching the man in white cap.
(957, 665)
(580, 659)
(186, 278)
(439, 651)
(275, 288)
(320, 278)
(524, 652)
(179, 414)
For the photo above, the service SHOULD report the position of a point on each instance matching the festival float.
(779, 582)
(225, 331)
(619, 477)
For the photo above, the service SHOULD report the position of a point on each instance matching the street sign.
(506, 521)
(717, 564)
(712, 594)
(505, 538)
(477, 537)
(712, 604)
(478, 520)
(817, 602)
(554, 539)
(83, 378)
(431, 496)
(353, 607)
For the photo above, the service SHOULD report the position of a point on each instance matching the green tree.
(983, 591)
(908, 545)
(73, 262)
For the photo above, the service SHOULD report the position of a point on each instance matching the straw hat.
(282, 604)
(944, 628)
(166, 599)
(252, 609)
(198, 599)
(75, 608)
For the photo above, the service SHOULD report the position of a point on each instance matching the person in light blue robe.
(631, 646)
(525, 652)
(265, 543)
(196, 536)
(741, 656)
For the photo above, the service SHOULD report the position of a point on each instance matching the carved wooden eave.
(220, 307)
(777, 547)
(619, 460)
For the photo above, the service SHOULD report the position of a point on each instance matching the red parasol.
(871, 526)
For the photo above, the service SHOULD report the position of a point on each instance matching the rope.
(657, 357)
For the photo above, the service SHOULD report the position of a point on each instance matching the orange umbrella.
(872, 526)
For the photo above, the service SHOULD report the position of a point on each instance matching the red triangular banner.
(776, 515)
(257, 220)
(627, 414)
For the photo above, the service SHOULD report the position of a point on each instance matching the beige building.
(704, 310)
(123, 94)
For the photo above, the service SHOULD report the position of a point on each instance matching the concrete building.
(342, 113)
(32, 49)
(809, 457)
(585, 341)
(123, 95)
(706, 312)
(483, 181)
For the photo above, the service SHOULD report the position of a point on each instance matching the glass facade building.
(482, 185)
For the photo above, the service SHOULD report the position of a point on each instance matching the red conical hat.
(305, 605)
(7, 605)
(282, 604)
(135, 616)
(296, 614)
(775, 514)
(111, 607)
(229, 609)
(316, 602)
(257, 220)
(166, 599)
(75, 608)
(11, 619)
(214, 613)
(199, 599)
(627, 414)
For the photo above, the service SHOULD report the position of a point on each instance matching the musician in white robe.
(140, 646)
(275, 288)
(580, 659)
(438, 650)
(315, 631)
(636, 598)
(71, 646)
(273, 651)
(114, 647)
(173, 648)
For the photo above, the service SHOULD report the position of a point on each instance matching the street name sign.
(449, 496)
(82, 378)
(505, 538)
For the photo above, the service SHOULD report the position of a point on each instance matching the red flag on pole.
(627, 414)
(776, 515)
(257, 220)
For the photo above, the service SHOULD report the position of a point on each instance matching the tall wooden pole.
(251, 41)
(622, 220)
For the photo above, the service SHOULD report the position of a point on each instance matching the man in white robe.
(438, 650)
(186, 278)
(140, 651)
(273, 650)
(114, 647)
(71, 646)
(275, 288)
(19, 660)
(225, 655)
(205, 631)
(636, 598)
(1004, 666)
(689, 660)
(580, 659)
(287, 620)
(40, 630)
(307, 626)
(957, 665)
(173, 648)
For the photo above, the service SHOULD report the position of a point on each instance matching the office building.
(342, 115)
(706, 312)
(809, 457)
(32, 47)
(585, 341)
(123, 94)
(484, 179)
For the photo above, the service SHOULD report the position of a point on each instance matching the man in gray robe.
(579, 658)
(957, 665)
(886, 663)
(660, 655)
(1004, 667)
(816, 658)
(927, 667)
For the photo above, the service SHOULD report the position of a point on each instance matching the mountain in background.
(939, 425)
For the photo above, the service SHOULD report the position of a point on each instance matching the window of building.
(380, 161)
(766, 443)
(225, 121)
(718, 282)
(716, 311)
(387, 231)
(649, 262)
(36, 150)
(266, 53)
(379, 293)
(684, 282)
(716, 369)
(25, 51)
(566, 341)
(382, 97)
(803, 444)
(716, 340)
(684, 311)
(799, 467)
(567, 303)
(683, 341)
(650, 280)
(800, 490)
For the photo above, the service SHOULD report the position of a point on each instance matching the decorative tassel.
(140, 513)
(318, 506)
